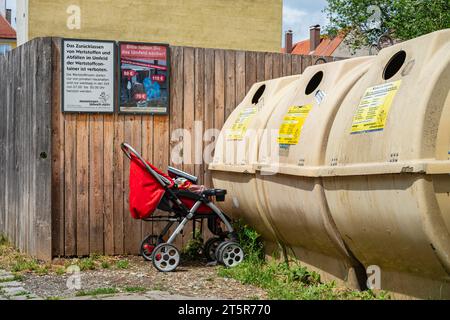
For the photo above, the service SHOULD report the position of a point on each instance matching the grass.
(122, 264)
(97, 292)
(135, 289)
(22, 293)
(19, 263)
(283, 281)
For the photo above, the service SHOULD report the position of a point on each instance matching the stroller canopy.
(146, 192)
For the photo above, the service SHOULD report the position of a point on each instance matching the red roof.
(6, 31)
(326, 47)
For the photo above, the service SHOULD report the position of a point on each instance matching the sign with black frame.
(88, 76)
(144, 78)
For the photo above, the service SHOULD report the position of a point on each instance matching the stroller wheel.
(210, 248)
(230, 254)
(148, 245)
(166, 257)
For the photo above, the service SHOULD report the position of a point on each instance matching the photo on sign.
(144, 78)
(88, 76)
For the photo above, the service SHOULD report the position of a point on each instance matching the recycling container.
(387, 173)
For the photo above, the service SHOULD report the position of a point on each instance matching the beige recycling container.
(290, 155)
(233, 167)
(387, 183)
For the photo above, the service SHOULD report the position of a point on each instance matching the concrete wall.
(231, 24)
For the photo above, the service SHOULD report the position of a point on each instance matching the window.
(4, 48)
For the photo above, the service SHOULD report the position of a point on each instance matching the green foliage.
(86, 264)
(122, 264)
(193, 247)
(135, 289)
(402, 19)
(96, 292)
(250, 241)
(3, 240)
(281, 280)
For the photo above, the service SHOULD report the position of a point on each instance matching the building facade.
(7, 32)
(228, 24)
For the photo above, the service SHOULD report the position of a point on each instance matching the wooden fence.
(89, 174)
(25, 147)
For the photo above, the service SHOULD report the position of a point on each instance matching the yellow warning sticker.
(292, 125)
(240, 126)
(373, 109)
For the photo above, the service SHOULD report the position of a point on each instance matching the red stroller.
(178, 194)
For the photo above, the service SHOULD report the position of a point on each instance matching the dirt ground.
(192, 279)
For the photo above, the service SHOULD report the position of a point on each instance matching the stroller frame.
(182, 215)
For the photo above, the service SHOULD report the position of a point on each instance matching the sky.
(298, 16)
(11, 4)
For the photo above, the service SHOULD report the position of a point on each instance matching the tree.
(365, 20)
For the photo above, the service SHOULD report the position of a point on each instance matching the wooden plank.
(219, 89)
(250, 70)
(83, 191)
(306, 62)
(209, 114)
(42, 158)
(108, 186)
(3, 124)
(230, 82)
(241, 90)
(161, 151)
(147, 154)
(296, 64)
(287, 65)
(188, 122)
(176, 120)
(268, 66)
(260, 66)
(132, 227)
(188, 109)
(199, 104)
(10, 140)
(176, 107)
(57, 155)
(277, 70)
(119, 189)
(70, 194)
(96, 184)
(15, 196)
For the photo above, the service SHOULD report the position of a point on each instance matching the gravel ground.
(192, 279)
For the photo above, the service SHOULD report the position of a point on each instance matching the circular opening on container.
(394, 65)
(258, 94)
(314, 83)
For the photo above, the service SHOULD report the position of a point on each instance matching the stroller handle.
(129, 150)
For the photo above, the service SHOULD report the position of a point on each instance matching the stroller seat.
(178, 194)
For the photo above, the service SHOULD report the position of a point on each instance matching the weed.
(122, 264)
(60, 271)
(96, 292)
(135, 289)
(194, 247)
(22, 293)
(3, 240)
(105, 265)
(53, 298)
(86, 264)
(284, 281)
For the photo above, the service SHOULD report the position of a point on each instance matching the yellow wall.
(229, 24)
